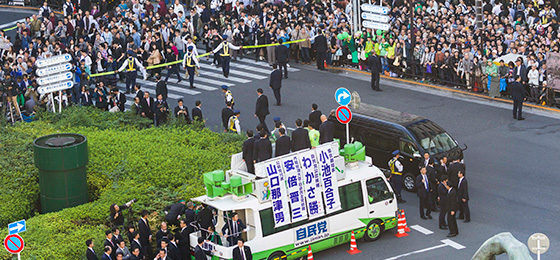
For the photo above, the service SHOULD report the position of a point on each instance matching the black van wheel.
(277, 256)
(409, 182)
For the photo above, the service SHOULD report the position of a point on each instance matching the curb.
(507, 101)
(30, 8)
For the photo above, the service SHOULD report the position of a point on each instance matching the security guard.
(225, 54)
(189, 63)
(228, 96)
(396, 175)
(233, 123)
(132, 64)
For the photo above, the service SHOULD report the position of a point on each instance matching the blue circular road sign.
(343, 96)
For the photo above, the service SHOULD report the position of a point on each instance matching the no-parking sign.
(343, 114)
(14, 243)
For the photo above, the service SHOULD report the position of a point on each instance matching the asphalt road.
(512, 166)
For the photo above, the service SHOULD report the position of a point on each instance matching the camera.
(130, 202)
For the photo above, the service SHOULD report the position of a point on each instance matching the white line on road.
(422, 230)
(446, 242)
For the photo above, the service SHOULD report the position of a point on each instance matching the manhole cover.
(60, 141)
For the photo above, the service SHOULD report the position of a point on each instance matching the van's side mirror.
(417, 155)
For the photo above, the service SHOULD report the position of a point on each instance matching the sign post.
(538, 243)
(375, 17)
(14, 244)
(17, 227)
(343, 114)
(55, 75)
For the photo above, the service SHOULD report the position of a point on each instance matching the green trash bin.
(61, 160)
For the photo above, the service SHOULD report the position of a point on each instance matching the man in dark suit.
(326, 130)
(282, 53)
(263, 148)
(161, 87)
(283, 144)
(300, 137)
(135, 243)
(174, 212)
(107, 255)
(423, 191)
(518, 95)
(321, 49)
(109, 243)
(261, 108)
(441, 168)
(199, 252)
(173, 252)
(227, 112)
(434, 180)
(183, 237)
(233, 228)
(442, 199)
(276, 83)
(148, 106)
(145, 233)
(520, 70)
(182, 112)
(241, 251)
(375, 68)
(248, 147)
(451, 209)
(120, 98)
(139, 93)
(135, 254)
(425, 161)
(453, 170)
(197, 112)
(315, 116)
(85, 97)
(116, 236)
(190, 216)
(463, 198)
(90, 254)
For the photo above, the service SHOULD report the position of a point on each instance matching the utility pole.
(355, 15)
(478, 10)
(411, 26)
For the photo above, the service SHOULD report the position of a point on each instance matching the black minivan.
(383, 131)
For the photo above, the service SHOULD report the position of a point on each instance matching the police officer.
(225, 54)
(396, 175)
(227, 95)
(189, 62)
(233, 123)
(132, 64)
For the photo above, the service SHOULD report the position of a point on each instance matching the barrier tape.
(199, 56)
(9, 29)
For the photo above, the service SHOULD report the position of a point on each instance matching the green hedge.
(127, 160)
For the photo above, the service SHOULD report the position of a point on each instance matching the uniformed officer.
(227, 95)
(225, 54)
(189, 63)
(233, 122)
(396, 175)
(131, 65)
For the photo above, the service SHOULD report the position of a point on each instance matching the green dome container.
(61, 160)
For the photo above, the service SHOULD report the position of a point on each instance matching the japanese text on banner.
(296, 192)
(328, 178)
(278, 193)
(310, 175)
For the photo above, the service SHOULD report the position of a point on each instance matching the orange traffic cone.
(326, 65)
(353, 247)
(400, 227)
(309, 253)
(406, 229)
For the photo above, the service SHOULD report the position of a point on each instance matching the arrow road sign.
(375, 8)
(53, 60)
(55, 78)
(55, 87)
(375, 17)
(343, 115)
(14, 243)
(17, 227)
(342, 96)
(375, 25)
(54, 69)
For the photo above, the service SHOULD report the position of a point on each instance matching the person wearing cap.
(225, 55)
(174, 212)
(233, 122)
(189, 63)
(396, 168)
(131, 65)
(227, 95)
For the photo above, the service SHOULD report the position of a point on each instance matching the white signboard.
(278, 193)
(310, 233)
(55, 78)
(55, 87)
(54, 69)
(310, 176)
(375, 17)
(328, 178)
(376, 25)
(375, 9)
(53, 60)
(296, 193)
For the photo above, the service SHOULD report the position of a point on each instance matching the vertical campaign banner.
(278, 193)
(328, 178)
(310, 176)
(296, 193)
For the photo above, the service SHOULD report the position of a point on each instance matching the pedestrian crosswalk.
(210, 79)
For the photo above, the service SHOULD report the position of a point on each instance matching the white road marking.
(169, 87)
(422, 230)
(216, 75)
(205, 66)
(446, 242)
